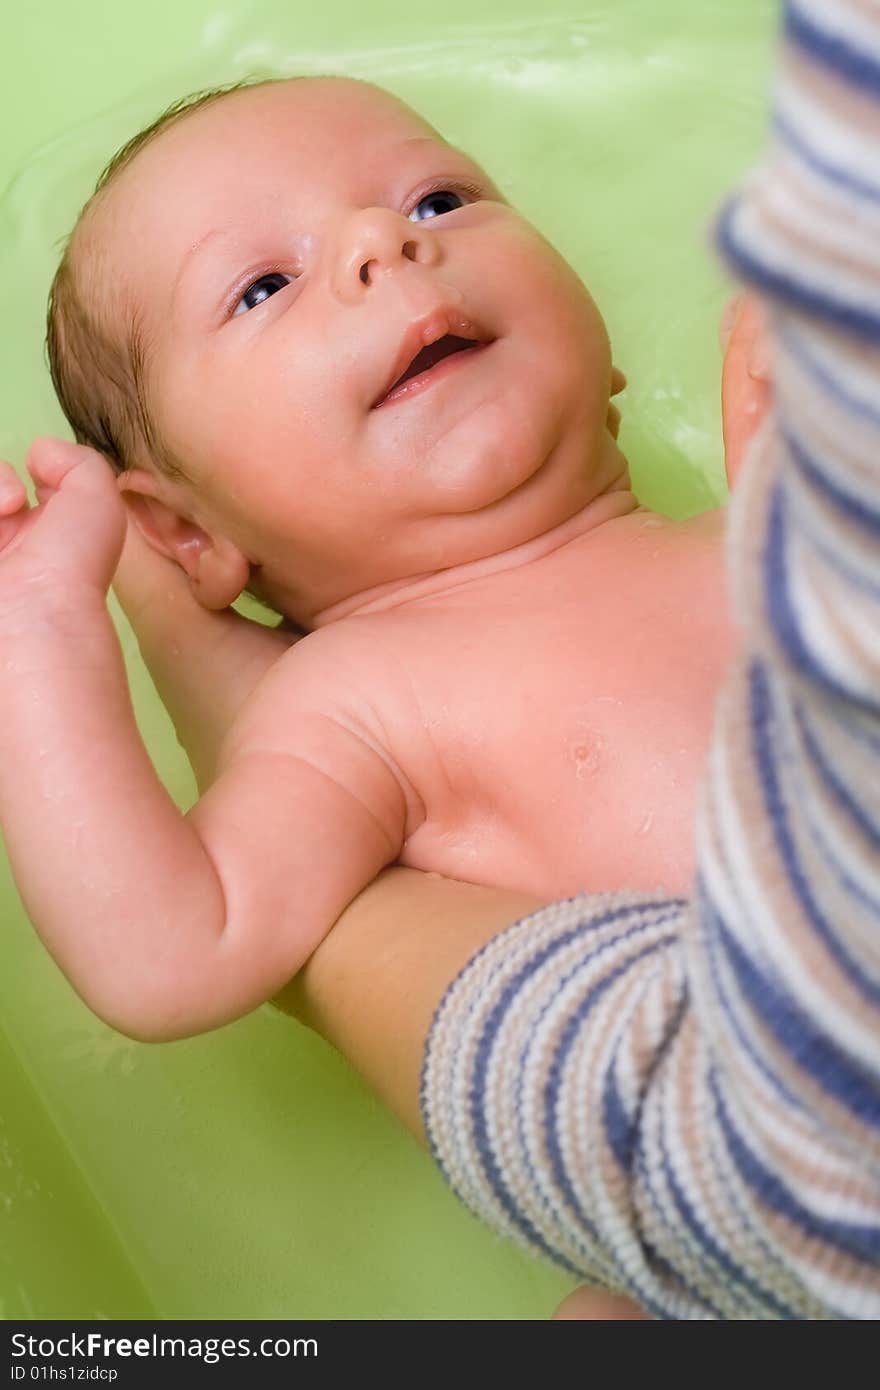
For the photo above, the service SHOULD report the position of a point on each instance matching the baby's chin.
(557, 488)
(528, 481)
(475, 461)
(459, 488)
(473, 496)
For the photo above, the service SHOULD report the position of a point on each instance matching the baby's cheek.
(579, 348)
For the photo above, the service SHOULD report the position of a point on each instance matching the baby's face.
(286, 248)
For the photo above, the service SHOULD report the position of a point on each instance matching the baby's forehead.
(317, 96)
(301, 129)
(308, 111)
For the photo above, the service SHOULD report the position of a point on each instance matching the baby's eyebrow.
(193, 251)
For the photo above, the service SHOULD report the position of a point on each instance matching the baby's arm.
(165, 924)
(204, 663)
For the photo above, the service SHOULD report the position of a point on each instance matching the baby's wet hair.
(96, 362)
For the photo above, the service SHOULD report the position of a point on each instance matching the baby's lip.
(427, 330)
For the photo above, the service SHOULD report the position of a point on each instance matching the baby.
(372, 393)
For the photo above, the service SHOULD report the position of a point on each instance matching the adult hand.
(746, 378)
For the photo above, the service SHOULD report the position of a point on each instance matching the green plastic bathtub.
(249, 1173)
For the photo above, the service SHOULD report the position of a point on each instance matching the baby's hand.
(746, 380)
(64, 550)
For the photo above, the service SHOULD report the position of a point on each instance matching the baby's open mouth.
(428, 358)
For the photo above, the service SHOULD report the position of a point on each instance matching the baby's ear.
(216, 568)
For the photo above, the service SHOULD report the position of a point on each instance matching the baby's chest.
(541, 746)
(556, 710)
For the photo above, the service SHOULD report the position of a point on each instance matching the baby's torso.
(553, 720)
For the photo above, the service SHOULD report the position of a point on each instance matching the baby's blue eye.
(255, 294)
(439, 195)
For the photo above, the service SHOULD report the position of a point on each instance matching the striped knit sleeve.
(682, 1099)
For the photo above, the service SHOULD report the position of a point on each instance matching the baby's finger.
(50, 460)
(83, 518)
(13, 494)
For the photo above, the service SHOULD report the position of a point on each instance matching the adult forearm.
(373, 984)
(106, 864)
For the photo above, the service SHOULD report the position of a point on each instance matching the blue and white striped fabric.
(682, 1099)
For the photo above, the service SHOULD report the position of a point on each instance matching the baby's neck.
(399, 592)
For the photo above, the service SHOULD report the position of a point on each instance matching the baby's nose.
(377, 240)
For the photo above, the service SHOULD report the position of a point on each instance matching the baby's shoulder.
(338, 674)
